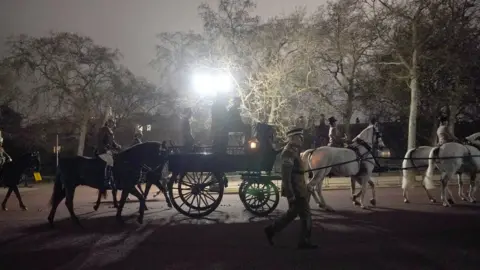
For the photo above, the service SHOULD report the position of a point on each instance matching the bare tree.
(404, 27)
(70, 74)
(343, 47)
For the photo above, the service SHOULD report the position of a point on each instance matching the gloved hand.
(292, 199)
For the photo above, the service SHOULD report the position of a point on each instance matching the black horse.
(151, 176)
(11, 174)
(76, 171)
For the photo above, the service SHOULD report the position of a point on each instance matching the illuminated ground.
(392, 236)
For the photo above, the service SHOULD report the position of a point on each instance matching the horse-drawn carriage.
(199, 178)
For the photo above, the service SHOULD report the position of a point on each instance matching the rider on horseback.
(137, 137)
(3, 153)
(106, 143)
(336, 140)
(443, 134)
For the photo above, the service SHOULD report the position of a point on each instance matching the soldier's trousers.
(299, 208)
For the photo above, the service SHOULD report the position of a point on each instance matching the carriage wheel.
(260, 198)
(196, 194)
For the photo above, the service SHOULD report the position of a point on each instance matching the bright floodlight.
(211, 84)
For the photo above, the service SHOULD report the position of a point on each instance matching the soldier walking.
(295, 189)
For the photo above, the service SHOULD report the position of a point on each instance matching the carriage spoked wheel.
(196, 194)
(259, 198)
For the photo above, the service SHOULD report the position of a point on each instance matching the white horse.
(416, 160)
(451, 158)
(356, 162)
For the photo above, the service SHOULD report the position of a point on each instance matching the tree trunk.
(452, 118)
(412, 121)
(83, 135)
(433, 133)
(348, 115)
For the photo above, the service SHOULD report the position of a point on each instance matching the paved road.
(391, 236)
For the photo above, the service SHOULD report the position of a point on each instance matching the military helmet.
(332, 120)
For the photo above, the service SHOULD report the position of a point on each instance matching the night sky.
(129, 25)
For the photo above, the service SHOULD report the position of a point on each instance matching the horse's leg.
(141, 199)
(443, 195)
(161, 185)
(114, 195)
(99, 199)
(364, 180)
(320, 195)
(57, 197)
(4, 203)
(373, 200)
(461, 194)
(139, 186)
(69, 194)
(430, 197)
(123, 199)
(311, 186)
(450, 198)
(19, 198)
(353, 181)
(473, 187)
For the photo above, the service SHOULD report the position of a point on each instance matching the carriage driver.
(336, 140)
(295, 189)
(3, 154)
(106, 143)
(137, 137)
(443, 134)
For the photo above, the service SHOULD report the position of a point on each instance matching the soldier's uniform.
(106, 144)
(186, 130)
(443, 134)
(4, 157)
(295, 189)
(137, 137)
(335, 139)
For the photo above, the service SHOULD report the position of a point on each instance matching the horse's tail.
(408, 170)
(428, 180)
(305, 156)
(58, 188)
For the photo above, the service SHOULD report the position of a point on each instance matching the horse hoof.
(356, 203)
(364, 207)
(446, 204)
(406, 201)
(95, 207)
(433, 200)
(4, 208)
(463, 199)
(373, 202)
(451, 202)
(169, 205)
(473, 201)
(24, 208)
(140, 220)
(329, 209)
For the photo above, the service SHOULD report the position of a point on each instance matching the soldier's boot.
(305, 242)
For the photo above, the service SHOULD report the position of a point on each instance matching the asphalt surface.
(393, 235)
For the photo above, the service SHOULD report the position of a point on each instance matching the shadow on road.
(384, 238)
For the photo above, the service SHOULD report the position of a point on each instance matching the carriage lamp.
(385, 153)
(253, 144)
